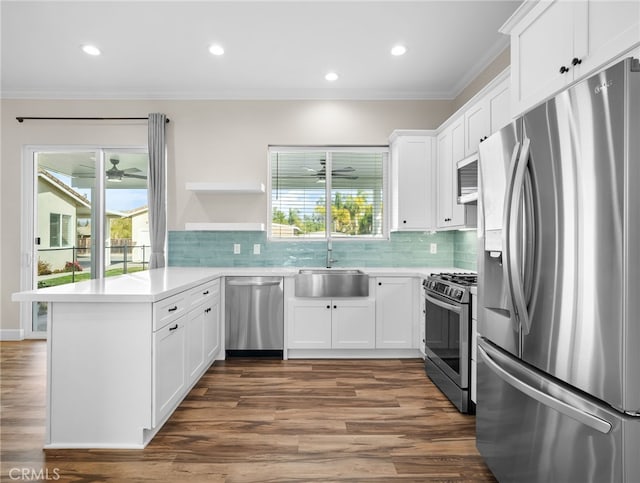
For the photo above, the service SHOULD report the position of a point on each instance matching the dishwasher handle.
(250, 283)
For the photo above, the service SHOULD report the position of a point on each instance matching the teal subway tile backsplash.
(465, 249)
(403, 249)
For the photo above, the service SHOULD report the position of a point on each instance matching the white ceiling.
(274, 50)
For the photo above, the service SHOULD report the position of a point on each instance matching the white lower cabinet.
(396, 314)
(170, 375)
(310, 323)
(184, 345)
(212, 326)
(195, 343)
(319, 323)
(353, 324)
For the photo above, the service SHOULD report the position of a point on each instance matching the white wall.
(207, 140)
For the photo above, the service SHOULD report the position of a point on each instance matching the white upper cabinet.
(476, 122)
(498, 102)
(451, 150)
(553, 44)
(413, 173)
(458, 139)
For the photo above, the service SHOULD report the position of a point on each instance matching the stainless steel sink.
(331, 282)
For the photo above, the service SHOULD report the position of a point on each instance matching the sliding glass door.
(89, 218)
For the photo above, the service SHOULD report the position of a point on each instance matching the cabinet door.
(415, 183)
(540, 45)
(395, 313)
(212, 328)
(604, 31)
(457, 212)
(353, 323)
(309, 323)
(498, 104)
(476, 126)
(195, 342)
(445, 182)
(169, 371)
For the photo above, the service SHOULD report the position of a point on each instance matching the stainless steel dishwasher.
(254, 316)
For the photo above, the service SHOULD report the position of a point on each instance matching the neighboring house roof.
(79, 199)
(136, 211)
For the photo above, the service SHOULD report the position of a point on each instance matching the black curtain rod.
(22, 118)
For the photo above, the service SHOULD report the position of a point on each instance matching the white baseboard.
(11, 334)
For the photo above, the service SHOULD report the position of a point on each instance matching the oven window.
(443, 335)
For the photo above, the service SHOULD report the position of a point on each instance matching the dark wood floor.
(261, 421)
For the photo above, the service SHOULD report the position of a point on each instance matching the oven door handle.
(454, 308)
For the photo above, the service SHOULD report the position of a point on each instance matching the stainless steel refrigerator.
(559, 295)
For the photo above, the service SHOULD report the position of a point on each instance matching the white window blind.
(321, 193)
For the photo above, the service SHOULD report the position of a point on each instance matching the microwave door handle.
(514, 265)
(454, 308)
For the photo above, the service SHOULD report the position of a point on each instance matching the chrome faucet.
(330, 259)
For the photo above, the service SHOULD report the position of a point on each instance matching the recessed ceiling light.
(331, 76)
(398, 50)
(216, 49)
(91, 50)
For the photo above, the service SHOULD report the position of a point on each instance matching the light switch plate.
(256, 248)
(433, 248)
(236, 248)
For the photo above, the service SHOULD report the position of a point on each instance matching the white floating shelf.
(224, 226)
(226, 188)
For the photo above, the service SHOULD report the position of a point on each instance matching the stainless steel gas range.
(448, 335)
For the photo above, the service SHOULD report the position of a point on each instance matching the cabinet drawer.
(201, 293)
(169, 309)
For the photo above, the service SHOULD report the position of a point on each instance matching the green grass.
(80, 276)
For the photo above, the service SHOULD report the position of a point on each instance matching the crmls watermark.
(32, 474)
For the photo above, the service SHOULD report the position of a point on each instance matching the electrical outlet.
(433, 248)
(256, 248)
(236, 248)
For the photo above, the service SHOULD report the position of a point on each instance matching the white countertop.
(155, 285)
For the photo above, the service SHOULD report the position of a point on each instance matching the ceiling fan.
(321, 173)
(115, 174)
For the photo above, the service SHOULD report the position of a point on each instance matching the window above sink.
(320, 193)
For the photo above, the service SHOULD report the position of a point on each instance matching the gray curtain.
(157, 188)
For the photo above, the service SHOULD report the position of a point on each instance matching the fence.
(76, 260)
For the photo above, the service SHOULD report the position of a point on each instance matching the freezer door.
(531, 428)
(574, 208)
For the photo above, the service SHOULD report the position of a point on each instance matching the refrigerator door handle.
(562, 407)
(514, 276)
(506, 222)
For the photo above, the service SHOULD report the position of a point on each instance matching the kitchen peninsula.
(124, 351)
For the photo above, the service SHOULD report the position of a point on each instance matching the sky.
(116, 199)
